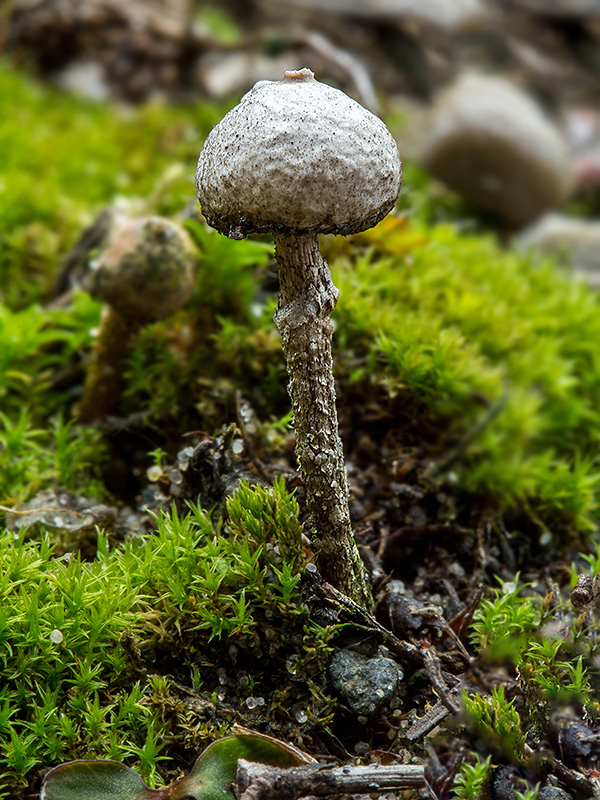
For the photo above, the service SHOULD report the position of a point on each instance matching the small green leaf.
(97, 780)
(216, 768)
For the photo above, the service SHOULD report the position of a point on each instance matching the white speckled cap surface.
(297, 154)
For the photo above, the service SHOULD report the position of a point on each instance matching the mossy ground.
(468, 372)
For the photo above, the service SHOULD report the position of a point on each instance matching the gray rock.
(73, 520)
(573, 242)
(85, 78)
(365, 683)
(559, 8)
(490, 142)
(230, 73)
(441, 13)
(553, 793)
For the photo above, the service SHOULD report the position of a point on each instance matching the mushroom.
(295, 158)
(146, 273)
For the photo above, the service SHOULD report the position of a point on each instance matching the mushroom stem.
(104, 376)
(307, 297)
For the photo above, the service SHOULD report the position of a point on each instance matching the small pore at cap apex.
(303, 74)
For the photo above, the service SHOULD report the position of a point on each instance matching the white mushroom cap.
(298, 155)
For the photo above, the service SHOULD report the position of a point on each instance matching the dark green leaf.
(97, 780)
(216, 768)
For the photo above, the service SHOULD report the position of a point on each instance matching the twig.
(41, 511)
(261, 782)
(462, 621)
(543, 762)
(351, 611)
(432, 718)
(384, 535)
(432, 615)
(434, 673)
(351, 66)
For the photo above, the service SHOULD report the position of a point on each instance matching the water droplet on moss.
(154, 473)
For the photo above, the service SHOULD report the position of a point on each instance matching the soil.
(433, 555)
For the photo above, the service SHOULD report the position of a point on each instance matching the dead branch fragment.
(432, 718)
(261, 782)
(348, 610)
(438, 680)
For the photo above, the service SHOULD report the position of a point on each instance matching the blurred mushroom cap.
(147, 270)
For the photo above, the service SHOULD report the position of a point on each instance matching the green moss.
(449, 327)
(91, 658)
(60, 453)
(472, 779)
(38, 446)
(64, 158)
(497, 718)
(513, 629)
(503, 624)
(452, 325)
(35, 346)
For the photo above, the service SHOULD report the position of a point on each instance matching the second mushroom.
(295, 158)
(145, 274)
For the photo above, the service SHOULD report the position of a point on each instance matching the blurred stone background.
(497, 100)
